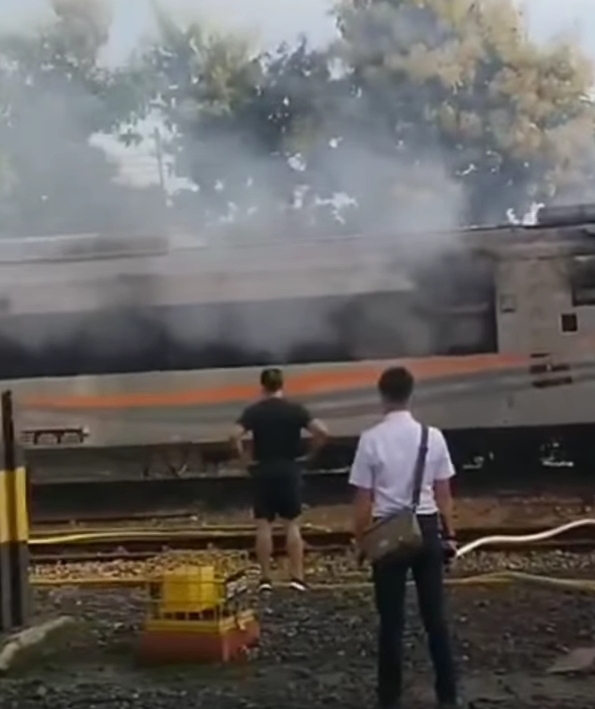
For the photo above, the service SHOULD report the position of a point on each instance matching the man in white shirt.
(383, 472)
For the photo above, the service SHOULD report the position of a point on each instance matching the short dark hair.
(271, 379)
(396, 385)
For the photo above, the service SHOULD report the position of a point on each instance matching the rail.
(113, 498)
(141, 544)
(493, 578)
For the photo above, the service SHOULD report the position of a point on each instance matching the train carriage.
(151, 341)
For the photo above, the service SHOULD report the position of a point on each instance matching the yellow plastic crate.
(221, 625)
(190, 589)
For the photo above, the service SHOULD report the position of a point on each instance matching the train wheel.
(575, 446)
(514, 458)
(583, 459)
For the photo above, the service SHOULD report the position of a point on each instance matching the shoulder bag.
(399, 534)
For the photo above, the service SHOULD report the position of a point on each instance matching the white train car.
(159, 340)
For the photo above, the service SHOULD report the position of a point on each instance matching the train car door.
(532, 296)
(544, 295)
(531, 293)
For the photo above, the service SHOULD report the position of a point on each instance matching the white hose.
(536, 537)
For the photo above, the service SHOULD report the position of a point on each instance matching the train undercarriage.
(491, 458)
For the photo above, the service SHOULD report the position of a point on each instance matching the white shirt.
(385, 461)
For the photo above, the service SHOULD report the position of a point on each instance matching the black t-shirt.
(276, 425)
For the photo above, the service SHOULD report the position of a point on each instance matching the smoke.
(350, 178)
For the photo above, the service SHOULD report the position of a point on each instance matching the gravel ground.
(335, 567)
(470, 512)
(316, 651)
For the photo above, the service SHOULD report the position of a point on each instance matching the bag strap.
(420, 464)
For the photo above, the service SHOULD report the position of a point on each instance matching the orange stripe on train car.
(307, 383)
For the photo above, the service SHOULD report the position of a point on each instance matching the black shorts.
(277, 491)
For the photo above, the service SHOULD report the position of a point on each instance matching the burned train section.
(93, 306)
(500, 321)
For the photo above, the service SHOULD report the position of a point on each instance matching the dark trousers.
(277, 490)
(389, 587)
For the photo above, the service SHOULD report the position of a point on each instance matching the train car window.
(582, 280)
(569, 322)
(507, 303)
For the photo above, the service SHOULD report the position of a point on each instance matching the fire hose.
(537, 579)
(506, 577)
(524, 538)
(498, 577)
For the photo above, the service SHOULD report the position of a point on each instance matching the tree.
(237, 116)
(442, 112)
(425, 114)
(57, 95)
(458, 81)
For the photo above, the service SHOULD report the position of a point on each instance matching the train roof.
(572, 227)
(83, 272)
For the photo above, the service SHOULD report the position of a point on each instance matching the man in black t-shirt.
(276, 425)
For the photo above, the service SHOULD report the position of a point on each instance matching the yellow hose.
(490, 578)
(42, 531)
(499, 577)
(132, 534)
(128, 535)
(91, 581)
(552, 582)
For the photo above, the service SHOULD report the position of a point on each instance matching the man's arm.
(238, 433)
(444, 472)
(319, 433)
(361, 477)
(315, 427)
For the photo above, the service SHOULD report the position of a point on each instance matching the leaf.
(473, 85)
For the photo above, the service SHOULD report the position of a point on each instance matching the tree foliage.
(56, 94)
(460, 79)
(238, 117)
(441, 108)
(423, 113)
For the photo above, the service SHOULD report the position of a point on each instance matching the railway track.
(124, 499)
(117, 498)
(143, 543)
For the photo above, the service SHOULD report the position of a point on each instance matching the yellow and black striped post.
(14, 527)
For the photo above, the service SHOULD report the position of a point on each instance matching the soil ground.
(317, 650)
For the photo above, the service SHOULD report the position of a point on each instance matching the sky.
(268, 21)
(273, 21)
